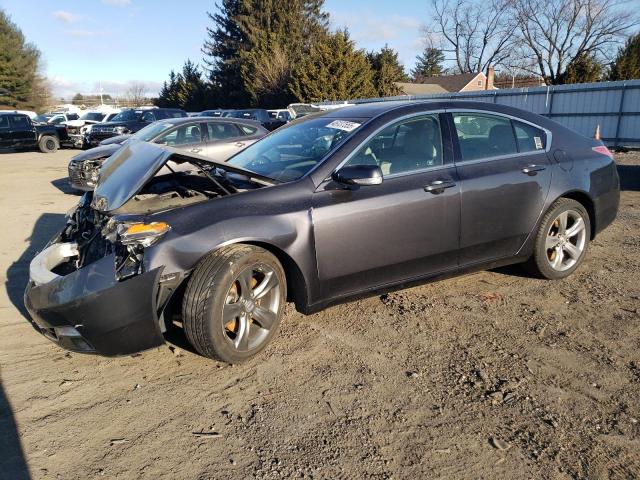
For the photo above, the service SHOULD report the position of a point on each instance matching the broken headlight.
(143, 234)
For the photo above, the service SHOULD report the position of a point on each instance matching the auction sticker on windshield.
(343, 125)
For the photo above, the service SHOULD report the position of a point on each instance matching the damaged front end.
(91, 289)
(88, 290)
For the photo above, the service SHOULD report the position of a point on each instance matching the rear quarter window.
(246, 130)
(529, 138)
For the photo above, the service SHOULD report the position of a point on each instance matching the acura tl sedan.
(215, 138)
(335, 205)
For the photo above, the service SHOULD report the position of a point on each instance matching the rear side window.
(530, 138)
(246, 130)
(19, 121)
(484, 136)
(148, 117)
(221, 131)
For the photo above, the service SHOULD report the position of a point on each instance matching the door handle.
(438, 186)
(195, 150)
(239, 144)
(532, 170)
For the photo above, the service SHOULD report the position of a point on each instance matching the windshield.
(43, 117)
(127, 116)
(152, 131)
(290, 152)
(94, 116)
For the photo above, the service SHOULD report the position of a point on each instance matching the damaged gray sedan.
(330, 207)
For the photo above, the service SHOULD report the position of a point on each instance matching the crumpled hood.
(125, 173)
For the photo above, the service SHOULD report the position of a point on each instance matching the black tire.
(214, 281)
(542, 260)
(48, 144)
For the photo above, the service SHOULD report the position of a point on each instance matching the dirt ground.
(493, 375)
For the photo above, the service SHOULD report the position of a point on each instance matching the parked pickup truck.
(130, 121)
(17, 131)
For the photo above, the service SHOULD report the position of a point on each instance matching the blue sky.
(116, 42)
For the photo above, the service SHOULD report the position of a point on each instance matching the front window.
(4, 121)
(127, 116)
(290, 152)
(183, 135)
(150, 132)
(92, 116)
(406, 146)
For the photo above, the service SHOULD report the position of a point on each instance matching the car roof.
(375, 109)
(182, 120)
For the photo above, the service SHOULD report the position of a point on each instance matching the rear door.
(406, 227)
(505, 176)
(224, 140)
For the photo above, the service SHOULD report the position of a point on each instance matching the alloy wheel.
(566, 240)
(251, 307)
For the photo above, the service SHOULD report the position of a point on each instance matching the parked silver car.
(214, 138)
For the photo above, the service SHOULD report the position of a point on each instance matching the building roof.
(420, 88)
(451, 83)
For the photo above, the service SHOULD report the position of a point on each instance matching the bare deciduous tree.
(478, 34)
(557, 32)
(135, 94)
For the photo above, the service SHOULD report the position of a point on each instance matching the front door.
(405, 228)
(505, 176)
(22, 131)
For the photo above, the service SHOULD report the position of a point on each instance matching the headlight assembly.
(143, 234)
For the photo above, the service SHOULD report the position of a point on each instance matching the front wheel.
(233, 302)
(562, 240)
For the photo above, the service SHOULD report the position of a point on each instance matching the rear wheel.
(562, 240)
(48, 144)
(233, 303)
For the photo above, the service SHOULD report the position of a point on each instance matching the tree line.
(22, 86)
(270, 53)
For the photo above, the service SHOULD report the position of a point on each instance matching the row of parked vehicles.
(50, 131)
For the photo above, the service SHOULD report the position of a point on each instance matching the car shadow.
(62, 184)
(47, 225)
(629, 177)
(13, 464)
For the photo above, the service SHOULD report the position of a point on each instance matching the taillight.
(601, 149)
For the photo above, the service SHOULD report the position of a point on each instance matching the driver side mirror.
(363, 175)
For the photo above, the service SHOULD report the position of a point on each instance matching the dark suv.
(259, 115)
(17, 131)
(130, 121)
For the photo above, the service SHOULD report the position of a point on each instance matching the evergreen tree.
(387, 70)
(192, 89)
(428, 64)
(170, 93)
(626, 66)
(584, 68)
(333, 70)
(225, 41)
(20, 84)
(253, 45)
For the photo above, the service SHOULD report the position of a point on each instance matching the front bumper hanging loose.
(89, 310)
